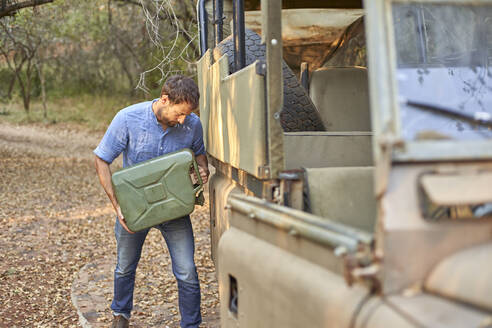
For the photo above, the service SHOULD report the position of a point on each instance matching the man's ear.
(164, 99)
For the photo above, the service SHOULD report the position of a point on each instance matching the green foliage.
(91, 51)
(93, 112)
(6, 77)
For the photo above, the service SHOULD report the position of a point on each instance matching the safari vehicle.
(350, 190)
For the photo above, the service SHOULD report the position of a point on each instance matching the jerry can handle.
(200, 182)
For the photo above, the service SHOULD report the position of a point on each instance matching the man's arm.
(104, 173)
(202, 162)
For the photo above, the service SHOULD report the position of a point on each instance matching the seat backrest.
(342, 98)
(327, 149)
(343, 194)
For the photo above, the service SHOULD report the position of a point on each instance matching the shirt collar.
(154, 118)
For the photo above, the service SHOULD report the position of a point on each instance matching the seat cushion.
(343, 194)
(342, 98)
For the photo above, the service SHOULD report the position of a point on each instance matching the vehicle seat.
(341, 97)
(327, 149)
(343, 194)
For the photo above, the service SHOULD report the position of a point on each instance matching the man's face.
(172, 114)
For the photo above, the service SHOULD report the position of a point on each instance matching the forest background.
(70, 61)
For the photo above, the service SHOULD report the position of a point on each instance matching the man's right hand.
(121, 218)
(104, 174)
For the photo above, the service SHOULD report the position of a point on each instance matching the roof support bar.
(203, 24)
(271, 12)
(238, 30)
(219, 20)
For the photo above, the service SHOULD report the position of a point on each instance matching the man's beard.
(163, 120)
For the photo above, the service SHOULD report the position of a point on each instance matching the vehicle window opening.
(443, 58)
(435, 212)
(233, 295)
(438, 202)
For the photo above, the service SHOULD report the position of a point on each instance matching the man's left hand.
(204, 173)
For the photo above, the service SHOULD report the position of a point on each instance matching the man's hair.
(180, 89)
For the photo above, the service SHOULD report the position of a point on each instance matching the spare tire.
(298, 112)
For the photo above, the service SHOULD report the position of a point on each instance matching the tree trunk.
(11, 87)
(39, 68)
(26, 89)
(118, 54)
(22, 89)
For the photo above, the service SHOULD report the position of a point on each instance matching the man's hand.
(204, 173)
(104, 174)
(203, 167)
(121, 218)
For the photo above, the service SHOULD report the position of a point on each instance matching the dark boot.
(119, 321)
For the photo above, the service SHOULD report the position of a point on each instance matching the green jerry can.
(157, 190)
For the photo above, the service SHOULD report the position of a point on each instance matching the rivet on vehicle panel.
(276, 115)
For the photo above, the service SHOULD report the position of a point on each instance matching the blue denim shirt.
(136, 132)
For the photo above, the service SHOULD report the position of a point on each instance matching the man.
(144, 131)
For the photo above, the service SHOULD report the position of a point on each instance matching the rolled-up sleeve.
(197, 145)
(115, 139)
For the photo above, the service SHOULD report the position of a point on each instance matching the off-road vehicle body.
(357, 195)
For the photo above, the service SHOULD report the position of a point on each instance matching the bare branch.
(9, 8)
(168, 25)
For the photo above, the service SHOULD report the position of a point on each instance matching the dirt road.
(57, 246)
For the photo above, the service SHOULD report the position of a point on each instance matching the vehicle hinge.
(292, 188)
(360, 266)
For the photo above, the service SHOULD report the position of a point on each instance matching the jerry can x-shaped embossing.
(157, 190)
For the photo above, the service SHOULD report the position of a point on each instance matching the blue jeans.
(178, 235)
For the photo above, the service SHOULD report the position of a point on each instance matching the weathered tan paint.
(308, 26)
(418, 310)
(465, 277)
(403, 232)
(426, 310)
(301, 224)
(290, 280)
(308, 35)
(220, 189)
(274, 285)
(232, 112)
